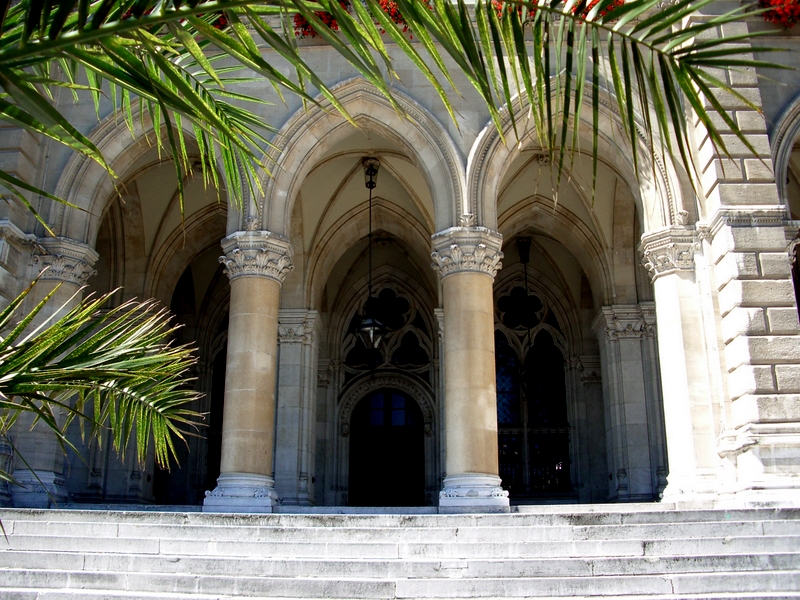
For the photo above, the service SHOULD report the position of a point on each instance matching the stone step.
(407, 534)
(394, 568)
(24, 594)
(391, 549)
(570, 515)
(308, 587)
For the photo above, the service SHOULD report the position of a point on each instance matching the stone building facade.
(638, 344)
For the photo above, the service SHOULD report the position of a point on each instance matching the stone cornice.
(743, 216)
(467, 249)
(256, 254)
(65, 260)
(668, 251)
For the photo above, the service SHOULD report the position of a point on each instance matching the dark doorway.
(387, 456)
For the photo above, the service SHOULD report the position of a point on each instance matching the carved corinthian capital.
(66, 260)
(669, 250)
(256, 254)
(472, 249)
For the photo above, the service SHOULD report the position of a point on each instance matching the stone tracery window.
(533, 432)
(407, 344)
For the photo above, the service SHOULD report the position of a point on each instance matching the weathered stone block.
(756, 170)
(748, 239)
(766, 408)
(783, 320)
(738, 194)
(750, 120)
(762, 350)
(788, 378)
(741, 320)
(736, 265)
(750, 379)
(759, 292)
(774, 264)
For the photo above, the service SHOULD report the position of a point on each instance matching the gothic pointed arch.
(309, 134)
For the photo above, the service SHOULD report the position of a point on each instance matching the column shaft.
(467, 259)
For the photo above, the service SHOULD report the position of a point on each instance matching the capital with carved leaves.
(256, 254)
(668, 251)
(467, 249)
(65, 260)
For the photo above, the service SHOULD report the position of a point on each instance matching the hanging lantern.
(370, 330)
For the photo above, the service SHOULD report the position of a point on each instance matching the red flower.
(784, 12)
(302, 28)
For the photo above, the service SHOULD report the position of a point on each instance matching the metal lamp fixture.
(370, 329)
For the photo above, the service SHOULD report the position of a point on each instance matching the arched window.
(533, 432)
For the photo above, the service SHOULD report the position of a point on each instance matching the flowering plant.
(302, 28)
(393, 12)
(784, 12)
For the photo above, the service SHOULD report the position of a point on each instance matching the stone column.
(297, 386)
(41, 483)
(467, 259)
(683, 350)
(256, 263)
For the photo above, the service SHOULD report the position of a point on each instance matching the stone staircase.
(620, 551)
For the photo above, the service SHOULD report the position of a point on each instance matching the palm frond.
(556, 54)
(104, 367)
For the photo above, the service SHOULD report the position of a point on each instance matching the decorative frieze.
(473, 491)
(296, 326)
(668, 250)
(65, 260)
(467, 249)
(256, 254)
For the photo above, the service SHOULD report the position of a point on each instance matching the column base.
(242, 493)
(37, 489)
(473, 492)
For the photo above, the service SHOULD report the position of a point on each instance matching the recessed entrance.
(387, 458)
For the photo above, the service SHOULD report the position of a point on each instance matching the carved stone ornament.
(623, 322)
(668, 251)
(66, 260)
(467, 249)
(256, 254)
(296, 326)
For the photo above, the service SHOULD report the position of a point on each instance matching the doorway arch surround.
(364, 387)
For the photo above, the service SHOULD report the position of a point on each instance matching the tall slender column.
(256, 263)
(297, 403)
(467, 259)
(39, 465)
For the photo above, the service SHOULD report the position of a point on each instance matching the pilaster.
(467, 259)
(683, 354)
(256, 263)
(296, 420)
(622, 331)
(68, 263)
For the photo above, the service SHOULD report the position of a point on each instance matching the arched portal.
(387, 457)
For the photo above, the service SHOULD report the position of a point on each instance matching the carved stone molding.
(590, 369)
(65, 260)
(415, 389)
(669, 250)
(296, 326)
(256, 254)
(467, 249)
(439, 314)
(623, 322)
(746, 216)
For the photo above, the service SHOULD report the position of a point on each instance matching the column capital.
(668, 250)
(256, 254)
(65, 260)
(467, 249)
(622, 321)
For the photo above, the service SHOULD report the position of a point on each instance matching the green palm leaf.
(105, 367)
